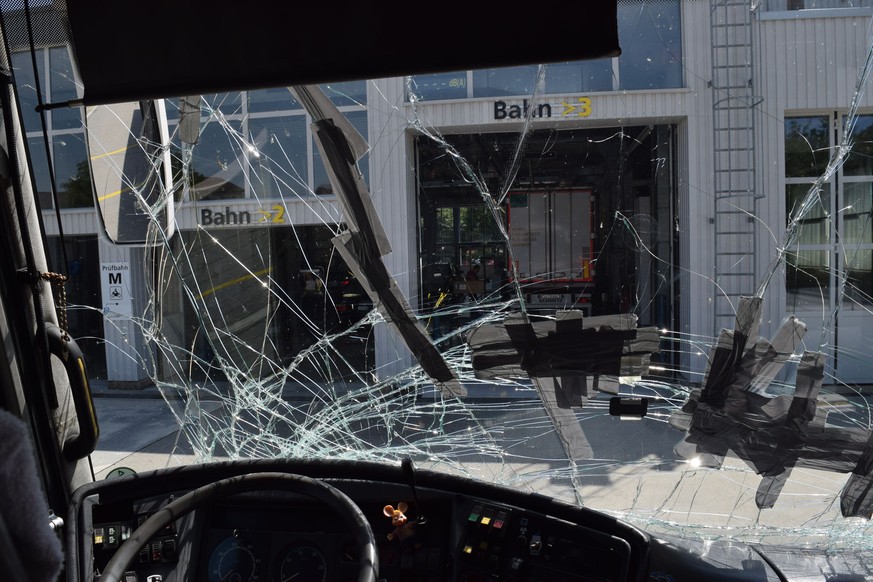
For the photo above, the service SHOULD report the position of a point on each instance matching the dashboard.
(457, 529)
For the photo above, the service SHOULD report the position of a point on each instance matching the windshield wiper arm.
(365, 243)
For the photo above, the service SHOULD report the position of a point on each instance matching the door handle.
(68, 352)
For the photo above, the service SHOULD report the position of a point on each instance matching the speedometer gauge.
(301, 563)
(233, 560)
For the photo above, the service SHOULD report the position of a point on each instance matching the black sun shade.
(126, 51)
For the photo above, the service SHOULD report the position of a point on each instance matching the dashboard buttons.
(499, 520)
(157, 549)
(536, 545)
(490, 519)
(112, 536)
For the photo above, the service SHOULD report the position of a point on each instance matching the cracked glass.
(640, 284)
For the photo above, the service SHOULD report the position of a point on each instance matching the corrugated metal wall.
(810, 63)
(393, 192)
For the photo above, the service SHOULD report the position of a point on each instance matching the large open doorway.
(591, 216)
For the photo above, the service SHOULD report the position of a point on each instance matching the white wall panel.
(393, 192)
(811, 63)
(74, 222)
(607, 110)
(312, 210)
(695, 184)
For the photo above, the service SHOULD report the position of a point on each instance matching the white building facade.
(687, 154)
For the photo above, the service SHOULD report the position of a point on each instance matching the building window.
(272, 100)
(259, 144)
(440, 85)
(504, 81)
(580, 76)
(569, 77)
(72, 174)
(223, 165)
(780, 5)
(650, 34)
(62, 88)
(833, 257)
(63, 134)
(346, 93)
(857, 214)
(281, 165)
(217, 168)
(22, 66)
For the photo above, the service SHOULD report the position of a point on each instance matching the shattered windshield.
(642, 284)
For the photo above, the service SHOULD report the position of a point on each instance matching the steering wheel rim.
(333, 497)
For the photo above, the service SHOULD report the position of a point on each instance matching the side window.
(834, 244)
(809, 264)
(651, 38)
(281, 168)
(857, 214)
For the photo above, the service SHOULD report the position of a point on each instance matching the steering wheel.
(337, 500)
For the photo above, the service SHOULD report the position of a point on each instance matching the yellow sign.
(582, 108)
(276, 214)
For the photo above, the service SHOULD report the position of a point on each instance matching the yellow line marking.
(232, 282)
(112, 153)
(117, 192)
(112, 194)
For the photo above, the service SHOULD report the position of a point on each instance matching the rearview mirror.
(129, 160)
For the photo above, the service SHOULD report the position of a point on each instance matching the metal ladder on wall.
(735, 196)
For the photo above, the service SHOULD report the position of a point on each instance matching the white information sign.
(115, 286)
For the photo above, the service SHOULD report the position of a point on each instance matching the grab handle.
(68, 352)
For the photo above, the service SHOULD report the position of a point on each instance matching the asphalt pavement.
(139, 428)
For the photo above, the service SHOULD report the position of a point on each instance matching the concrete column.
(392, 188)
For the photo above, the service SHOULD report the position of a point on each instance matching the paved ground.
(139, 428)
(138, 432)
(633, 471)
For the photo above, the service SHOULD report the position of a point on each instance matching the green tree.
(77, 192)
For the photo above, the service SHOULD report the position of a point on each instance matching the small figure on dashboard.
(403, 528)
